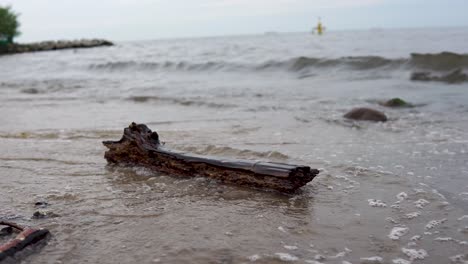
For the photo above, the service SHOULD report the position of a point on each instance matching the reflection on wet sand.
(205, 211)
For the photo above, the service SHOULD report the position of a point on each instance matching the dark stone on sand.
(6, 231)
(454, 77)
(44, 214)
(41, 204)
(396, 102)
(54, 45)
(366, 114)
(39, 215)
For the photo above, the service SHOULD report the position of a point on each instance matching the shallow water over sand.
(395, 190)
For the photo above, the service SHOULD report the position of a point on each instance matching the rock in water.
(367, 114)
(396, 102)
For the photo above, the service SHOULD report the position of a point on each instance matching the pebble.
(6, 231)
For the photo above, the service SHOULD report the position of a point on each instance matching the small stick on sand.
(26, 237)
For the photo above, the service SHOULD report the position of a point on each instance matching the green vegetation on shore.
(9, 25)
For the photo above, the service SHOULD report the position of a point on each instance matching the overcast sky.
(150, 19)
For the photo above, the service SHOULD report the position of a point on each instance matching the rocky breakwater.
(54, 45)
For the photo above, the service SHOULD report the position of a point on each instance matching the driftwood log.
(141, 146)
(26, 237)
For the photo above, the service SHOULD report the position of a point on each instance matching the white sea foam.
(443, 239)
(286, 257)
(346, 179)
(401, 261)
(372, 260)
(402, 196)
(411, 244)
(376, 203)
(421, 203)
(414, 254)
(313, 262)
(419, 191)
(290, 247)
(434, 223)
(416, 238)
(280, 228)
(320, 257)
(463, 218)
(460, 259)
(254, 257)
(340, 254)
(398, 232)
(439, 194)
(412, 215)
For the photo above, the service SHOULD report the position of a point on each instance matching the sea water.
(273, 97)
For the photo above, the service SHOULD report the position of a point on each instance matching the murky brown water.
(396, 191)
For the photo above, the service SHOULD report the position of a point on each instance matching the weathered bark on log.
(27, 237)
(141, 146)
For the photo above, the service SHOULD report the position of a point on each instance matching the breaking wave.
(443, 61)
(179, 101)
(168, 65)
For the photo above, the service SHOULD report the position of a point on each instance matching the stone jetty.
(53, 45)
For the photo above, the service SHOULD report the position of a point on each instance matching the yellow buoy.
(320, 28)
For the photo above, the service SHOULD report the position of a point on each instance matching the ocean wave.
(167, 65)
(355, 63)
(45, 86)
(178, 101)
(443, 61)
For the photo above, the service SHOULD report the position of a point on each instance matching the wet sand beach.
(392, 192)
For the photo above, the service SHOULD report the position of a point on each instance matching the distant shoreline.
(53, 45)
